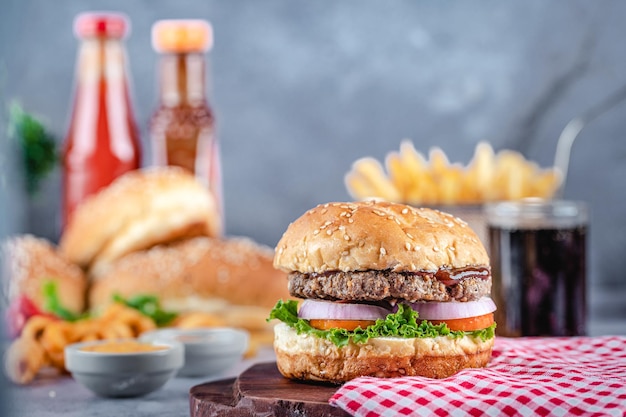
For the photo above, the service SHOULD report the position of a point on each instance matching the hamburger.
(36, 280)
(232, 277)
(139, 210)
(154, 238)
(389, 290)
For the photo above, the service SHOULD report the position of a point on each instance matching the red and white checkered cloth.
(526, 376)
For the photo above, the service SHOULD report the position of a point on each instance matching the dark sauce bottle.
(182, 128)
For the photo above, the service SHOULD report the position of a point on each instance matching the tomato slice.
(18, 313)
(324, 324)
(468, 324)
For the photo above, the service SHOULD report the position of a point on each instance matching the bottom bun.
(311, 358)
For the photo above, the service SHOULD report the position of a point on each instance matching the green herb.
(149, 306)
(403, 324)
(52, 303)
(38, 146)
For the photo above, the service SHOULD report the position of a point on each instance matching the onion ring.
(432, 310)
(316, 309)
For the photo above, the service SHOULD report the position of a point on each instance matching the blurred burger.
(37, 279)
(139, 210)
(205, 282)
(390, 290)
(197, 274)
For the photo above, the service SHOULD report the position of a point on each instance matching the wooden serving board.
(262, 390)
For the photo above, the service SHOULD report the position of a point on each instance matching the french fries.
(411, 178)
(368, 178)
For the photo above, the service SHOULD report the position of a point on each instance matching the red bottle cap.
(106, 24)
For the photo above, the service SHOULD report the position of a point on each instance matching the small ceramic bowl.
(208, 351)
(129, 369)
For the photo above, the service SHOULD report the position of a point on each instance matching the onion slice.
(329, 310)
(433, 310)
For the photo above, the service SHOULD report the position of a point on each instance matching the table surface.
(56, 396)
(62, 396)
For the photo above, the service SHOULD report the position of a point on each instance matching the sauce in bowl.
(123, 347)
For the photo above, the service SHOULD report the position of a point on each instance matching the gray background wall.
(303, 88)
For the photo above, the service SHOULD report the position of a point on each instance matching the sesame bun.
(307, 357)
(29, 262)
(196, 274)
(138, 210)
(377, 236)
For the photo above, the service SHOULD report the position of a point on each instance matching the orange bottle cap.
(186, 35)
(108, 24)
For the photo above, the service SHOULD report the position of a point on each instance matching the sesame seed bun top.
(377, 236)
(140, 209)
(28, 262)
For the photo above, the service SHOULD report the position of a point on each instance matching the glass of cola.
(539, 266)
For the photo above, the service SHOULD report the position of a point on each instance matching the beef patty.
(469, 285)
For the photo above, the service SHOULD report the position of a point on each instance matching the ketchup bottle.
(102, 141)
(182, 128)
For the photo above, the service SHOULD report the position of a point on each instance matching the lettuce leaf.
(403, 323)
(52, 303)
(149, 306)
